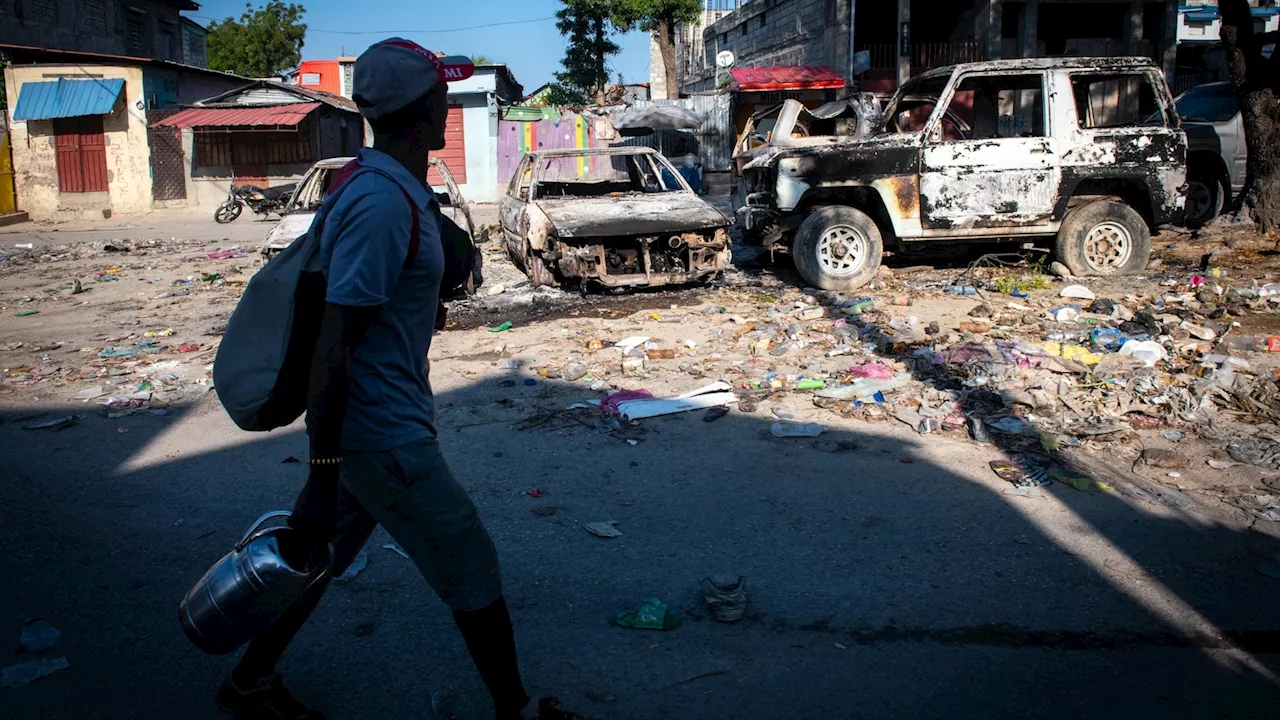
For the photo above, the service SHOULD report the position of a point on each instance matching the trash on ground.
(393, 547)
(503, 327)
(39, 636)
(360, 562)
(30, 671)
(796, 430)
(631, 405)
(653, 614)
(55, 425)
(604, 529)
(726, 596)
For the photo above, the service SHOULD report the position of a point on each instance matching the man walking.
(370, 415)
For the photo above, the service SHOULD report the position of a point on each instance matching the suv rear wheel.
(838, 248)
(1103, 237)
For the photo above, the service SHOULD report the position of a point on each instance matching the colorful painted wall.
(517, 137)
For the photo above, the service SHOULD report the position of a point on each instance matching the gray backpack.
(263, 366)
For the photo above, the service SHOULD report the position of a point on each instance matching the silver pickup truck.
(1216, 152)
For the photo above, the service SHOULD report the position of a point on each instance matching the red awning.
(270, 116)
(787, 77)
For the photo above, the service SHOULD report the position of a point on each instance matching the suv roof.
(1067, 63)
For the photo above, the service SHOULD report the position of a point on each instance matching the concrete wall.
(77, 26)
(128, 155)
(775, 32)
(480, 129)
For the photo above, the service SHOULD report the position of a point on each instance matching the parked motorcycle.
(262, 201)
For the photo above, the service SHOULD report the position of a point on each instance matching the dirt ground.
(892, 571)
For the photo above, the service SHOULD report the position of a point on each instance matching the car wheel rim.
(842, 251)
(1199, 201)
(1108, 247)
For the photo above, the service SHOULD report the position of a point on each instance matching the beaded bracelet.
(324, 461)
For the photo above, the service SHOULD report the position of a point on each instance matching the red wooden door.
(80, 148)
(249, 158)
(454, 154)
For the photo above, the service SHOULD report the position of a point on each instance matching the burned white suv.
(1085, 153)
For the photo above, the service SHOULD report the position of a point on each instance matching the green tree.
(1256, 80)
(660, 17)
(589, 33)
(264, 42)
(481, 59)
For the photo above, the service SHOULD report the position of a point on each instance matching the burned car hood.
(848, 148)
(652, 214)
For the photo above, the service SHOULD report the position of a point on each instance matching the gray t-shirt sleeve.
(370, 244)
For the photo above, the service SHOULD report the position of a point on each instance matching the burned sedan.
(618, 217)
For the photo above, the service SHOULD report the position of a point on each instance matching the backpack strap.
(347, 173)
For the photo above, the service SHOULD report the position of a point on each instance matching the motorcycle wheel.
(226, 213)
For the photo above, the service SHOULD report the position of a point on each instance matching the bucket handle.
(256, 523)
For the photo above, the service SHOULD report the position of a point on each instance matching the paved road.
(889, 580)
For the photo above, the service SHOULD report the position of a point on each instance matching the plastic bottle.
(1067, 335)
(575, 371)
(552, 373)
(1245, 343)
(960, 290)
(1109, 338)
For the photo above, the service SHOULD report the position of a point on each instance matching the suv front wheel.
(1103, 237)
(838, 248)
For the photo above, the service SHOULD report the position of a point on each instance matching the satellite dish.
(725, 59)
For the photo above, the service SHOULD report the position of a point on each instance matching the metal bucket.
(245, 591)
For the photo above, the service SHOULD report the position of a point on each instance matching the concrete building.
(79, 131)
(904, 37)
(134, 28)
(471, 130)
(263, 133)
(331, 76)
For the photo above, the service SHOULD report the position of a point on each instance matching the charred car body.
(316, 185)
(1087, 152)
(620, 216)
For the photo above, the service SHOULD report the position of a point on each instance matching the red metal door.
(80, 148)
(454, 154)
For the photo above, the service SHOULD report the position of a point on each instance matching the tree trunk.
(602, 74)
(667, 49)
(1257, 84)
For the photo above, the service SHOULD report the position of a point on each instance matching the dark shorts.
(413, 495)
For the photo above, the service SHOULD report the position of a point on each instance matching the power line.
(409, 32)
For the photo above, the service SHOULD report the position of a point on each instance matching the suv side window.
(996, 106)
(1116, 100)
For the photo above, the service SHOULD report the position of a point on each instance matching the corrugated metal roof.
(787, 77)
(64, 98)
(713, 142)
(273, 116)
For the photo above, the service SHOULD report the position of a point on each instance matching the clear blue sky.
(532, 49)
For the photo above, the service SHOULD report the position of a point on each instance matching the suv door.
(1128, 129)
(1003, 169)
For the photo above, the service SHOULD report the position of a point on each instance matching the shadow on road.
(890, 577)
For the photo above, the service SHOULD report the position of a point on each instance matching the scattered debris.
(604, 529)
(726, 596)
(55, 425)
(39, 636)
(653, 614)
(358, 564)
(30, 671)
(393, 547)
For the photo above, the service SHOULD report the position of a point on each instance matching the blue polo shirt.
(363, 248)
